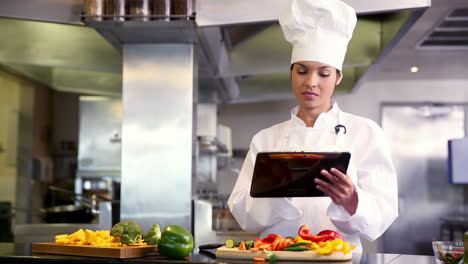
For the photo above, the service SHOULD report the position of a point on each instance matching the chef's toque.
(319, 30)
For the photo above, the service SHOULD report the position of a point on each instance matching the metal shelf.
(210, 49)
(139, 32)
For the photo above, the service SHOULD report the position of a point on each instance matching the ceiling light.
(414, 69)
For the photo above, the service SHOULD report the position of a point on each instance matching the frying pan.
(81, 212)
(68, 213)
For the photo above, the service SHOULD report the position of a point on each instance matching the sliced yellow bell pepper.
(346, 247)
(327, 248)
(314, 246)
(300, 239)
(337, 244)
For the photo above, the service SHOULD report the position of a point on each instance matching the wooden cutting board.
(93, 251)
(235, 253)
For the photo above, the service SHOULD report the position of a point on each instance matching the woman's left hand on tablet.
(341, 189)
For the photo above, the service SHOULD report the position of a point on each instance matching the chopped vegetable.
(259, 259)
(331, 234)
(265, 246)
(128, 231)
(249, 244)
(449, 258)
(176, 242)
(271, 256)
(327, 248)
(298, 248)
(101, 238)
(300, 244)
(277, 240)
(270, 238)
(304, 232)
(153, 235)
(322, 244)
(242, 246)
(230, 243)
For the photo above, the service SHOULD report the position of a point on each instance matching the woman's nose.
(311, 80)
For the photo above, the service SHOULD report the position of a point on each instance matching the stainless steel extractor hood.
(243, 56)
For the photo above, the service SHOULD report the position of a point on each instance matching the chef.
(363, 200)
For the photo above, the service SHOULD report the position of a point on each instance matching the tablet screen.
(292, 174)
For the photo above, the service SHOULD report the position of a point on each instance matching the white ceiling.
(432, 63)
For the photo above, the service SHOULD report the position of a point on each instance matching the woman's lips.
(309, 95)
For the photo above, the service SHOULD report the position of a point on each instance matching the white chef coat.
(371, 169)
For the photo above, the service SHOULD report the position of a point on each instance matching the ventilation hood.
(450, 33)
(243, 56)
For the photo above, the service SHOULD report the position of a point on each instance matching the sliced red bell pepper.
(304, 232)
(270, 238)
(332, 234)
(316, 239)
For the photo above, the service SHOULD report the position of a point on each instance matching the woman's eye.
(301, 72)
(324, 74)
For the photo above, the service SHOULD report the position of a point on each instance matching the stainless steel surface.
(64, 57)
(136, 32)
(157, 131)
(418, 135)
(206, 120)
(62, 11)
(410, 259)
(215, 82)
(204, 233)
(221, 12)
(458, 160)
(100, 124)
(202, 221)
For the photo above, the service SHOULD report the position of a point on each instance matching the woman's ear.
(339, 77)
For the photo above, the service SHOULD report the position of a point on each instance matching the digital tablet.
(292, 174)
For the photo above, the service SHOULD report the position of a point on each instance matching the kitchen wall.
(9, 106)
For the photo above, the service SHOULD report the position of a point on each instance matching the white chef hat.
(319, 30)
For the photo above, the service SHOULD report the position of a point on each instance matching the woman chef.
(364, 200)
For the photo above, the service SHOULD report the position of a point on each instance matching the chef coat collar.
(324, 119)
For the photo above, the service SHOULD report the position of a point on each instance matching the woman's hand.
(341, 189)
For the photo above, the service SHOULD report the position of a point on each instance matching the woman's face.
(313, 84)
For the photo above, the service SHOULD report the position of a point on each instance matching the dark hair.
(337, 71)
(292, 65)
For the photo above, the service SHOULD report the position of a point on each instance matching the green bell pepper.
(176, 242)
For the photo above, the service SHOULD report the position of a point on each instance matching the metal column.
(157, 131)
